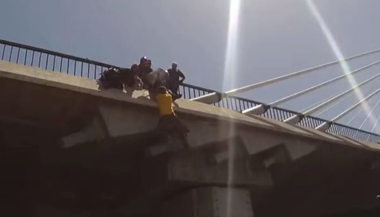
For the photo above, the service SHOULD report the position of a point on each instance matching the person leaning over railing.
(121, 79)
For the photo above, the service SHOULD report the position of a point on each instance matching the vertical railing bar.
(237, 104)
(47, 60)
(54, 62)
(88, 70)
(68, 65)
(18, 55)
(277, 115)
(39, 60)
(75, 66)
(227, 102)
(95, 71)
(240, 105)
(10, 55)
(314, 123)
(2, 56)
(26, 55)
(60, 65)
(81, 69)
(245, 105)
(268, 114)
(31, 62)
(281, 113)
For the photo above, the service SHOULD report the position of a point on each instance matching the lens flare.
(336, 50)
(231, 55)
(230, 69)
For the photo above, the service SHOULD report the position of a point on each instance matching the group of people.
(142, 76)
(163, 86)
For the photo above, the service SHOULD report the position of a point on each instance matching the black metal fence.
(82, 67)
(50, 60)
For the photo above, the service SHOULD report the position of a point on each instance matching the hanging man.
(169, 125)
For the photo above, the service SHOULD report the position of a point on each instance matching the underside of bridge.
(116, 169)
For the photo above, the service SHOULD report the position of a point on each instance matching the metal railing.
(82, 67)
(51, 60)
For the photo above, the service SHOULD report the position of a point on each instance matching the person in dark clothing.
(111, 78)
(145, 68)
(176, 77)
(130, 79)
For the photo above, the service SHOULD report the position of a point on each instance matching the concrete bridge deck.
(92, 149)
(72, 84)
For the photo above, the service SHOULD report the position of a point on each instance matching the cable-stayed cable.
(215, 97)
(260, 109)
(296, 118)
(369, 114)
(374, 126)
(325, 126)
(357, 113)
(334, 105)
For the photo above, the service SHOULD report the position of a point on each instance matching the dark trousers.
(174, 87)
(171, 125)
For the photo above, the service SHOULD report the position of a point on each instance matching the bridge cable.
(260, 109)
(311, 106)
(325, 126)
(374, 126)
(357, 113)
(297, 118)
(369, 114)
(216, 97)
(365, 120)
(334, 105)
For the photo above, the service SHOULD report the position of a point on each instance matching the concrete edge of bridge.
(87, 86)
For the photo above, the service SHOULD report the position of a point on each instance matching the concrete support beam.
(323, 127)
(91, 133)
(294, 119)
(257, 110)
(209, 98)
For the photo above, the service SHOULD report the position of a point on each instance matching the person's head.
(174, 66)
(149, 63)
(162, 90)
(143, 60)
(135, 67)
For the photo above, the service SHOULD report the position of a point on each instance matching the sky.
(271, 38)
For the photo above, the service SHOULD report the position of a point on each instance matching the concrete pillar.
(210, 202)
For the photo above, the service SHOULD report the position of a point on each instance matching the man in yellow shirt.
(169, 124)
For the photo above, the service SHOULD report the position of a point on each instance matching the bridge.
(74, 150)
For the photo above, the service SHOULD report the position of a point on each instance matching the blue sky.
(275, 37)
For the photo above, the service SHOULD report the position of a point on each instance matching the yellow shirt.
(165, 105)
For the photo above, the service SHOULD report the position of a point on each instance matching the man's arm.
(182, 76)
